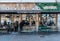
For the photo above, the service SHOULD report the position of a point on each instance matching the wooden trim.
(18, 2)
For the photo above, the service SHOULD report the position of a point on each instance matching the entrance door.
(29, 25)
(16, 22)
(47, 22)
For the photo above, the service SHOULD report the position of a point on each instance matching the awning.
(26, 12)
(19, 11)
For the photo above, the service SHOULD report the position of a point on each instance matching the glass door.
(47, 22)
(16, 22)
(29, 22)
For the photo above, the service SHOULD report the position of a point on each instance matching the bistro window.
(47, 21)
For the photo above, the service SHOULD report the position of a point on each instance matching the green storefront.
(49, 9)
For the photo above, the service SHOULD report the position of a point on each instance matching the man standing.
(22, 24)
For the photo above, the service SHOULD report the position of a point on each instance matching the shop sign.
(49, 6)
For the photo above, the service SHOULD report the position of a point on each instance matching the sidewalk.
(21, 37)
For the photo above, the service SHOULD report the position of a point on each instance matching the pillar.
(0, 19)
(30, 22)
(56, 22)
(37, 22)
(12, 20)
(20, 18)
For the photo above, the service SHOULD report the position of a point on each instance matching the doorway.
(47, 22)
(30, 22)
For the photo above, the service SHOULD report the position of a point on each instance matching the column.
(0, 19)
(56, 22)
(30, 22)
(37, 22)
(12, 20)
(20, 18)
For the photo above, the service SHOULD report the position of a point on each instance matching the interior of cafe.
(29, 22)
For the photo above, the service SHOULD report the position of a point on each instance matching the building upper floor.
(42, 5)
(18, 6)
(28, 0)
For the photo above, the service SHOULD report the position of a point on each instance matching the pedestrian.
(16, 26)
(22, 24)
(9, 27)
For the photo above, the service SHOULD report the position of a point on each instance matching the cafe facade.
(41, 16)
